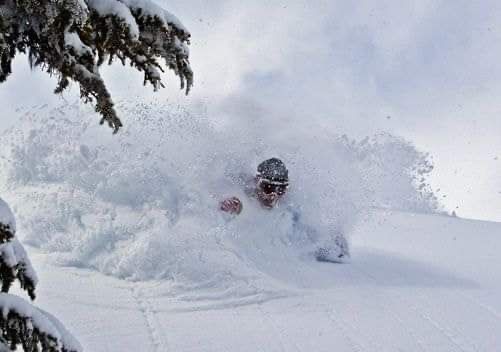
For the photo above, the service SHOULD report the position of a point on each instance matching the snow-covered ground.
(416, 283)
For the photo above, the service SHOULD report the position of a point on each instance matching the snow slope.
(416, 283)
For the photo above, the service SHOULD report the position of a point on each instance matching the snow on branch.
(15, 264)
(14, 261)
(7, 222)
(72, 38)
(32, 329)
(22, 324)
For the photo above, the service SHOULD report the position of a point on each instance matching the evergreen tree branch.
(72, 38)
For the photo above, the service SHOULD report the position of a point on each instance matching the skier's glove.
(231, 205)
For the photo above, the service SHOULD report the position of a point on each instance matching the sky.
(425, 70)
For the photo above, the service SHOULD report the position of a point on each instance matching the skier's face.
(269, 193)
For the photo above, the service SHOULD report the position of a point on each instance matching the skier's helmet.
(274, 171)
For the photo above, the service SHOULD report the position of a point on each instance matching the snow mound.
(144, 204)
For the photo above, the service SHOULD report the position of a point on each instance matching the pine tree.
(72, 38)
(21, 324)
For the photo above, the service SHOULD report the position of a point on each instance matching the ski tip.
(326, 255)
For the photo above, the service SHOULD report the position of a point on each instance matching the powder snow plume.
(143, 205)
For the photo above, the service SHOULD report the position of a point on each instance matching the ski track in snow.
(446, 331)
(388, 311)
(464, 344)
(356, 346)
(486, 307)
(409, 304)
(355, 324)
(108, 338)
(282, 335)
(360, 339)
(459, 339)
(154, 329)
(412, 333)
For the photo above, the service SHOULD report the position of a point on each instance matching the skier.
(269, 186)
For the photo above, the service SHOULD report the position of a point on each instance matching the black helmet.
(273, 170)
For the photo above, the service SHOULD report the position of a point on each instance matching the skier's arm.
(334, 249)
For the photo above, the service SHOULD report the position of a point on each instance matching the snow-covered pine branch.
(14, 262)
(72, 38)
(32, 329)
(21, 324)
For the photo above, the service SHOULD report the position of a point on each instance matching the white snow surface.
(415, 283)
(6, 216)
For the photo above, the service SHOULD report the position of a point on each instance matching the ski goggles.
(269, 187)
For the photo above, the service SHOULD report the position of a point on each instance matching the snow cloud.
(146, 205)
(424, 70)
